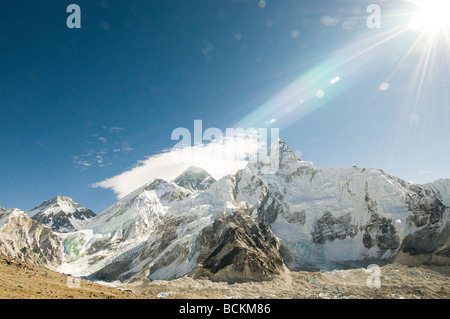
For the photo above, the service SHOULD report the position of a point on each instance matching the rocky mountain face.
(340, 217)
(61, 214)
(253, 225)
(27, 240)
(237, 248)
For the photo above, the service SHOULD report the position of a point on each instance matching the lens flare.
(408, 58)
(432, 15)
(384, 86)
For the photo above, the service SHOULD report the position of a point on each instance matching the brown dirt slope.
(21, 280)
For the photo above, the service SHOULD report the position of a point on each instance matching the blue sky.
(80, 106)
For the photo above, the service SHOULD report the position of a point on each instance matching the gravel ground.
(395, 282)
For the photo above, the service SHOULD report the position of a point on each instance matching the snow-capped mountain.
(61, 214)
(25, 239)
(122, 228)
(334, 217)
(194, 179)
(251, 226)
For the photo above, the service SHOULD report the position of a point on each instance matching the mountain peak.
(64, 203)
(279, 160)
(63, 200)
(194, 168)
(194, 178)
(285, 151)
(61, 214)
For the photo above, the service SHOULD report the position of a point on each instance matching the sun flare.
(432, 15)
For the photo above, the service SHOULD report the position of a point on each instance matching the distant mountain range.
(246, 226)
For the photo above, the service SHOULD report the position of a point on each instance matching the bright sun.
(432, 15)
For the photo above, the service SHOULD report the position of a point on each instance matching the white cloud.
(218, 158)
(81, 163)
(100, 151)
(113, 129)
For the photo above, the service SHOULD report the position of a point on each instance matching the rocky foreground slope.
(22, 280)
(253, 226)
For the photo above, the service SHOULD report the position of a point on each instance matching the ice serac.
(61, 214)
(25, 239)
(194, 179)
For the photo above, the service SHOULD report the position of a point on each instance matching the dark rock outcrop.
(235, 248)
